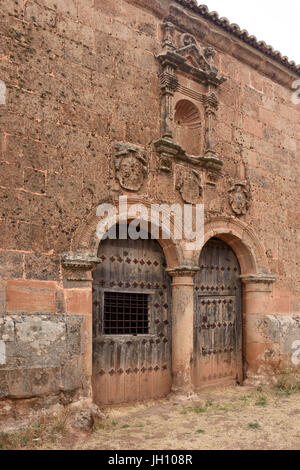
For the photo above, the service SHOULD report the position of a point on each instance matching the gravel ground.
(229, 418)
(236, 418)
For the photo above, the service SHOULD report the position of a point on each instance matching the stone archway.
(78, 266)
(86, 241)
(244, 242)
(256, 278)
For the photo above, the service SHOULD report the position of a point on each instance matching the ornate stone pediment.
(190, 58)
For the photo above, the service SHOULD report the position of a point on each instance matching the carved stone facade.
(182, 57)
(188, 116)
(164, 103)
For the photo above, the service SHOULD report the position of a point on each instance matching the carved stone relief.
(212, 178)
(188, 183)
(239, 198)
(130, 166)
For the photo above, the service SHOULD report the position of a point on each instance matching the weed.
(200, 409)
(254, 426)
(287, 385)
(99, 427)
(209, 403)
(244, 399)
(197, 409)
(262, 401)
(200, 431)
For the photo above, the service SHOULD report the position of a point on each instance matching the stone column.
(169, 84)
(182, 327)
(211, 107)
(257, 302)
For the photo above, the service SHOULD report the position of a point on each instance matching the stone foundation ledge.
(79, 416)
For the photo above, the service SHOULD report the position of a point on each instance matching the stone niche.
(188, 126)
(189, 81)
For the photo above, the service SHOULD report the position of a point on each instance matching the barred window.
(126, 313)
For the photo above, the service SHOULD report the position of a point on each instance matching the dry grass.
(47, 430)
(225, 418)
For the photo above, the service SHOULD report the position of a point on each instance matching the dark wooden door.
(131, 322)
(218, 316)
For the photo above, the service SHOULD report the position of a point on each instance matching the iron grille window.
(126, 313)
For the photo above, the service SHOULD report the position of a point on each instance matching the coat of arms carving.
(130, 166)
(188, 183)
(239, 198)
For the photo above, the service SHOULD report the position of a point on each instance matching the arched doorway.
(131, 322)
(218, 317)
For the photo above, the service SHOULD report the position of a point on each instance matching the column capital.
(183, 271)
(263, 278)
(79, 261)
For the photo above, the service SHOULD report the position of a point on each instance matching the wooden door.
(131, 322)
(218, 317)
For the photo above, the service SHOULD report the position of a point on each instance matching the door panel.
(129, 367)
(218, 316)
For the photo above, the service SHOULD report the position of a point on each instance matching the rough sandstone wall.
(259, 125)
(81, 75)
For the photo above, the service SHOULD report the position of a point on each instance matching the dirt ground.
(225, 418)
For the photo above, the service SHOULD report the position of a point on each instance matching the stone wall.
(40, 354)
(40, 362)
(80, 76)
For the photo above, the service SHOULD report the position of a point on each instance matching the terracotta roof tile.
(242, 34)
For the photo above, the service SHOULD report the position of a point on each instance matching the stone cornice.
(242, 34)
(228, 35)
(223, 40)
(168, 147)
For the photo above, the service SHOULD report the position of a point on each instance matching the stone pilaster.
(77, 282)
(257, 299)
